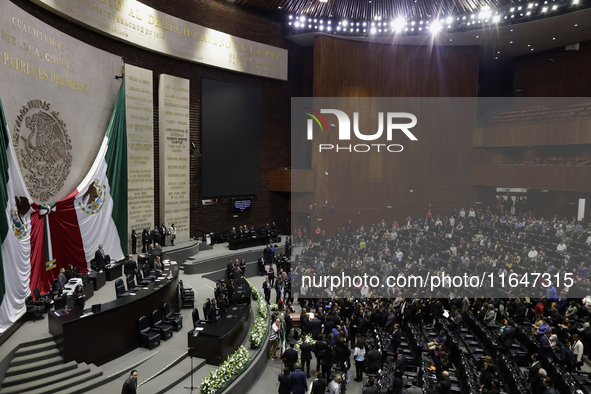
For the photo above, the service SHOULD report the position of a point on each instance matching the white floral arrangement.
(274, 307)
(234, 364)
(256, 294)
(259, 329)
(258, 332)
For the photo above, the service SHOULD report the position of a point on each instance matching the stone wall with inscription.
(139, 24)
(58, 95)
(173, 114)
(139, 101)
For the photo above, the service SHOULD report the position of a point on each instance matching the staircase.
(38, 368)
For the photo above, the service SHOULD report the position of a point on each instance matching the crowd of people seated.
(379, 329)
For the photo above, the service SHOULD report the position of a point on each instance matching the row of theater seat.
(556, 161)
(159, 327)
(542, 113)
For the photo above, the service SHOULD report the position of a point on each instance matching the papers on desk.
(173, 262)
(144, 288)
(61, 312)
(166, 263)
(131, 293)
(199, 328)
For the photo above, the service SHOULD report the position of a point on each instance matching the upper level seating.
(556, 161)
(541, 113)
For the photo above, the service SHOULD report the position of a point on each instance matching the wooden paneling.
(545, 133)
(431, 173)
(555, 73)
(291, 181)
(344, 68)
(436, 168)
(547, 177)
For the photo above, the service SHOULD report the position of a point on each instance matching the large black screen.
(231, 123)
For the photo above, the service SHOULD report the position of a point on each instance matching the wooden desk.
(114, 272)
(217, 341)
(104, 336)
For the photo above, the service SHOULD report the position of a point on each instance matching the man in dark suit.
(284, 382)
(444, 386)
(290, 357)
(534, 368)
(145, 239)
(315, 327)
(548, 387)
(101, 258)
(130, 266)
(318, 385)
(400, 361)
(261, 265)
(130, 385)
(390, 321)
(162, 233)
(288, 324)
(395, 338)
(304, 321)
(320, 349)
(306, 355)
(370, 388)
(287, 247)
(155, 235)
(508, 336)
(267, 290)
(456, 320)
(373, 360)
(297, 381)
(546, 349)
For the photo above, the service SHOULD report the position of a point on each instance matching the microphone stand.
(192, 387)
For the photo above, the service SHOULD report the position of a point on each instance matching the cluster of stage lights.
(486, 17)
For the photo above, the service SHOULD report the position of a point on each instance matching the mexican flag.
(282, 342)
(94, 214)
(100, 201)
(15, 233)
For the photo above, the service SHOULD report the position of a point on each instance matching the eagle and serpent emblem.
(45, 149)
(93, 199)
(18, 221)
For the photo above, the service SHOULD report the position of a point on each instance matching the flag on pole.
(282, 294)
(282, 342)
(15, 233)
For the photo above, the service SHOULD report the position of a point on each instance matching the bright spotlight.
(435, 27)
(302, 19)
(449, 20)
(485, 12)
(373, 30)
(398, 24)
(496, 19)
(344, 23)
(297, 24)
